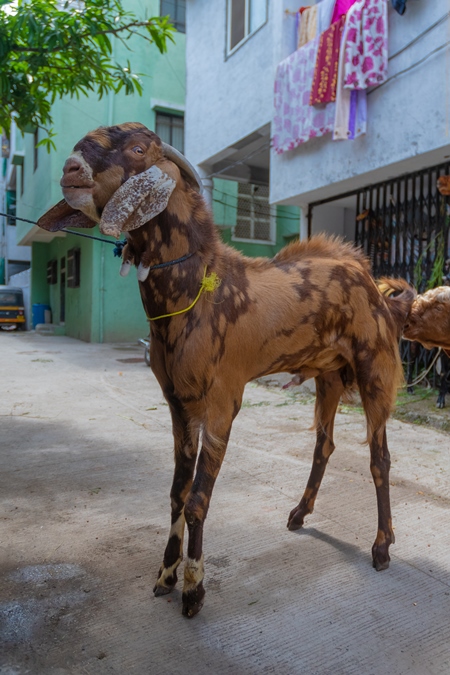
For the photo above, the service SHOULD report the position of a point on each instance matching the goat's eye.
(138, 150)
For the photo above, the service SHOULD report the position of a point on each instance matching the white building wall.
(229, 98)
(408, 120)
(15, 252)
(23, 280)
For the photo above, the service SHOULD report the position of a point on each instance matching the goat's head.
(429, 319)
(120, 177)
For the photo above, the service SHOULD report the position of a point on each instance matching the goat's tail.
(399, 296)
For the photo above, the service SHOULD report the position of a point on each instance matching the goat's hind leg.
(329, 389)
(186, 446)
(380, 463)
(376, 400)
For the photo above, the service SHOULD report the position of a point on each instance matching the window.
(244, 18)
(255, 218)
(52, 272)
(73, 268)
(176, 9)
(170, 129)
(11, 207)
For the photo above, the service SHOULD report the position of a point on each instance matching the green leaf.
(49, 50)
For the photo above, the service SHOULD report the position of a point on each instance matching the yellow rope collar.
(209, 283)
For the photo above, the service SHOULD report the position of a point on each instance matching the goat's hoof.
(410, 390)
(162, 590)
(193, 601)
(440, 403)
(165, 585)
(296, 518)
(380, 558)
(380, 565)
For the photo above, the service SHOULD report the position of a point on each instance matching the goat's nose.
(71, 166)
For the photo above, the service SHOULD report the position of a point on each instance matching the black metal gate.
(403, 226)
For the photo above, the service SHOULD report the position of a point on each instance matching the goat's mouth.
(70, 186)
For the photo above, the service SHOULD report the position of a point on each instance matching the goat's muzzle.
(75, 176)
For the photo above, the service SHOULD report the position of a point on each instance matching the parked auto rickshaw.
(12, 309)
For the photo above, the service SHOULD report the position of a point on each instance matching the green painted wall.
(106, 307)
(117, 312)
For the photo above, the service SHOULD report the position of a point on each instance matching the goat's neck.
(164, 239)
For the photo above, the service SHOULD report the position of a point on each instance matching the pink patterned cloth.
(295, 121)
(341, 7)
(366, 46)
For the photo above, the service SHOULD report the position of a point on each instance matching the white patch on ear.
(125, 268)
(138, 200)
(142, 272)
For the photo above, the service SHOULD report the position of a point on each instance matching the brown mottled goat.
(429, 319)
(219, 319)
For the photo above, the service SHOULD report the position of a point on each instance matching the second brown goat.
(219, 319)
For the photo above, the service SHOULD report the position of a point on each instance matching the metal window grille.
(73, 268)
(170, 129)
(255, 216)
(52, 272)
(176, 9)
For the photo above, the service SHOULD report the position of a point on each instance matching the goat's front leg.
(380, 463)
(186, 446)
(215, 438)
(329, 389)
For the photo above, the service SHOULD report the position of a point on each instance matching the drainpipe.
(208, 185)
(305, 232)
(102, 293)
(101, 331)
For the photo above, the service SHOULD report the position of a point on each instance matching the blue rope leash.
(118, 245)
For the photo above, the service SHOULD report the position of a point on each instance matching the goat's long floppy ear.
(61, 216)
(182, 163)
(138, 200)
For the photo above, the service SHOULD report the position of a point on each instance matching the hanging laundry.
(295, 121)
(399, 6)
(351, 105)
(307, 27)
(341, 8)
(366, 45)
(326, 69)
(325, 10)
(351, 115)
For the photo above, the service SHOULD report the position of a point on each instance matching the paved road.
(86, 458)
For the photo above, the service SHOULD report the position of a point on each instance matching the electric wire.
(421, 35)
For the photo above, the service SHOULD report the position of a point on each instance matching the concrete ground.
(86, 468)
